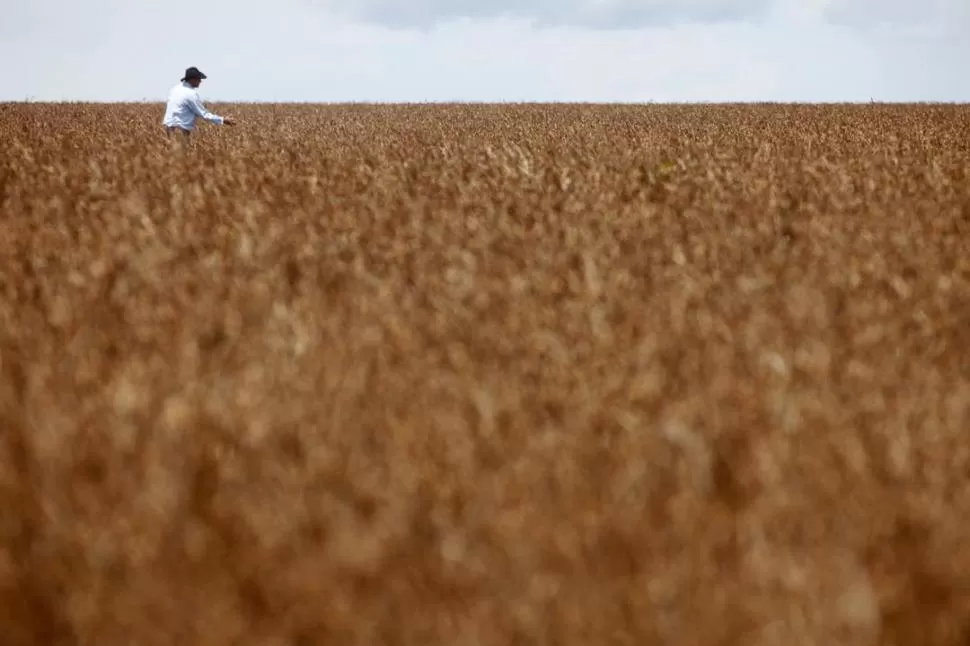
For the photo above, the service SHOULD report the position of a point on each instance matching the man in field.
(185, 106)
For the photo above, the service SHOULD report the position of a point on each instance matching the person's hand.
(229, 121)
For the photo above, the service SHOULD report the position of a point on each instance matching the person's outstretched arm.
(200, 110)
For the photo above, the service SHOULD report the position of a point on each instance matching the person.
(185, 106)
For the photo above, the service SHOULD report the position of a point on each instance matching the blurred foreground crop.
(472, 374)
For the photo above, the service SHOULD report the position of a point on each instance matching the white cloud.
(799, 50)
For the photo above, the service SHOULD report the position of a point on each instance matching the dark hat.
(193, 73)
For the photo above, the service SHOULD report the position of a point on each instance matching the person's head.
(193, 76)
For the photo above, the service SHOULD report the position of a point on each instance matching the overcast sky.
(489, 50)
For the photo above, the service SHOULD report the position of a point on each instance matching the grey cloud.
(863, 12)
(606, 14)
(619, 14)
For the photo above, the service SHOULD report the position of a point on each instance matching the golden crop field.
(485, 374)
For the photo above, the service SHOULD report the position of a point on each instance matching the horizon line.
(492, 102)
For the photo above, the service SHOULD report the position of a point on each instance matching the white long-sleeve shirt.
(185, 106)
